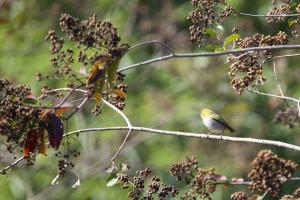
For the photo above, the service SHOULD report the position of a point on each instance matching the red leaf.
(31, 143)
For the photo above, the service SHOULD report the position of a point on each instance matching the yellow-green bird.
(214, 122)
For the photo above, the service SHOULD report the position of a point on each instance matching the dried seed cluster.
(206, 14)
(239, 196)
(246, 69)
(97, 46)
(288, 117)
(201, 182)
(138, 190)
(16, 118)
(282, 7)
(269, 172)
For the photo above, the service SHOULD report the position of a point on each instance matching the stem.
(129, 126)
(3, 171)
(194, 135)
(207, 54)
(153, 42)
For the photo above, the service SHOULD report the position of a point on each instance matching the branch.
(276, 78)
(153, 42)
(287, 55)
(129, 126)
(77, 107)
(262, 15)
(206, 54)
(194, 135)
(3, 171)
(273, 95)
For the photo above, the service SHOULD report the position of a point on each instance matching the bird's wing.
(223, 122)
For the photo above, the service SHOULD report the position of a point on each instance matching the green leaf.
(124, 167)
(30, 101)
(214, 47)
(111, 180)
(291, 21)
(230, 38)
(210, 32)
(219, 27)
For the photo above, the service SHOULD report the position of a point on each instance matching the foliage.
(85, 57)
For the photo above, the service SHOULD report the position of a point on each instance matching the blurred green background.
(165, 95)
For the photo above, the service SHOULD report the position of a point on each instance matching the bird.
(214, 122)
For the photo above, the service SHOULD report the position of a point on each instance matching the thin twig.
(194, 135)
(3, 171)
(277, 82)
(77, 108)
(287, 55)
(72, 90)
(67, 96)
(276, 78)
(232, 182)
(206, 54)
(273, 95)
(129, 126)
(153, 42)
(264, 15)
(298, 106)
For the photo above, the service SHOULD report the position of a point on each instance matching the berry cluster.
(201, 182)
(269, 172)
(155, 188)
(288, 117)
(206, 15)
(281, 8)
(17, 118)
(246, 69)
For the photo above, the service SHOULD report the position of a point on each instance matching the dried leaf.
(31, 143)
(97, 96)
(63, 108)
(119, 93)
(43, 145)
(98, 69)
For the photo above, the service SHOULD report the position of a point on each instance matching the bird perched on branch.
(214, 122)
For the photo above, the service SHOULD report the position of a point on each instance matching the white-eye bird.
(214, 122)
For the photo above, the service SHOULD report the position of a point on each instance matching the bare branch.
(77, 107)
(262, 15)
(3, 171)
(207, 54)
(287, 55)
(153, 42)
(273, 95)
(276, 78)
(129, 126)
(194, 135)
(67, 96)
